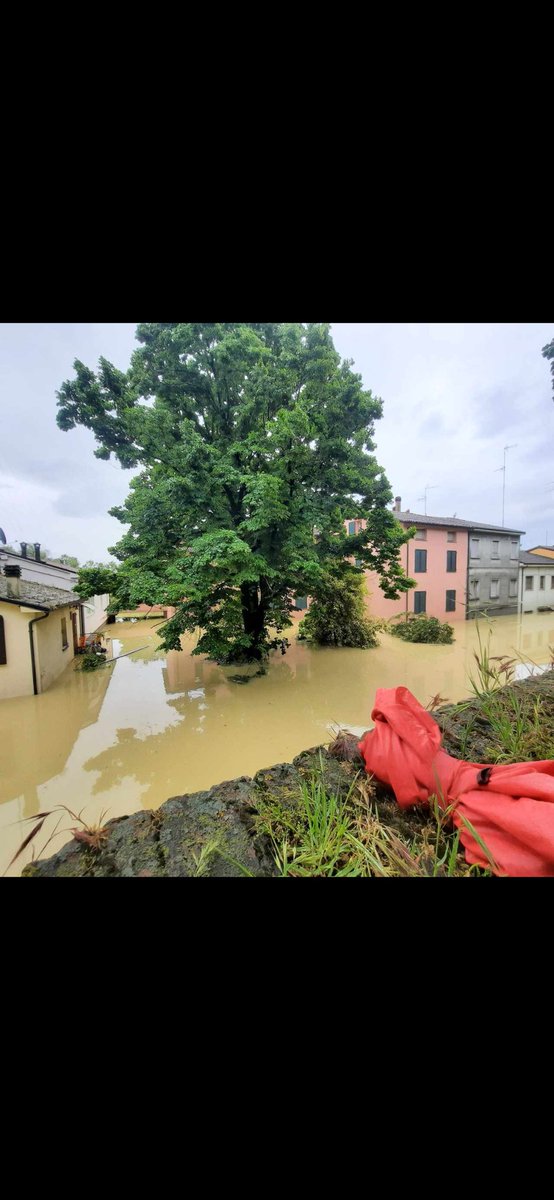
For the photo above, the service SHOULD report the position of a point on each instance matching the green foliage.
(493, 671)
(91, 661)
(337, 615)
(68, 560)
(249, 438)
(423, 629)
(344, 835)
(97, 580)
(548, 352)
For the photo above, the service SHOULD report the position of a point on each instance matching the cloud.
(454, 395)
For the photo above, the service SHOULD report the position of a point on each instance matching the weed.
(92, 836)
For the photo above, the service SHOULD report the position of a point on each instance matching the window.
(450, 601)
(541, 582)
(451, 535)
(494, 589)
(65, 642)
(474, 589)
(3, 659)
(301, 602)
(474, 551)
(420, 602)
(514, 549)
(528, 583)
(357, 562)
(451, 559)
(513, 587)
(552, 581)
(421, 535)
(351, 528)
(495, 550)
(420, 564)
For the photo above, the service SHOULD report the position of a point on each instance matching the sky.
(454, 396)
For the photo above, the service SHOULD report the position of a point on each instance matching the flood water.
(156, 725)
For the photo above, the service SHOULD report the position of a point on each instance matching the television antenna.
(503, 469)
(428, 488)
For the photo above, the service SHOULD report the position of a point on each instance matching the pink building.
(437, 558)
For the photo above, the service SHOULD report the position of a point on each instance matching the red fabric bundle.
(510, 807)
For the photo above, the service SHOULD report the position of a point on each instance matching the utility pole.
(503, 469)
(428, 488)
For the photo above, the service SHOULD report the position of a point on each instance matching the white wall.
(40, 572)
(96, 611)
(538, 597)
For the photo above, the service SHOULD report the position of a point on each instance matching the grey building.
(493, 570)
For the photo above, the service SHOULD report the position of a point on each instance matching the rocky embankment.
(219, 832)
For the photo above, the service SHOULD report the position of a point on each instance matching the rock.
(215, 832)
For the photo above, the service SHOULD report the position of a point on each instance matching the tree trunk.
(253, 617)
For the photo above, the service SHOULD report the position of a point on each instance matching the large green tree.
(255, 444)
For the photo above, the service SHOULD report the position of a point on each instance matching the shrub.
(91, 662)
(337, 615)
(423, 629)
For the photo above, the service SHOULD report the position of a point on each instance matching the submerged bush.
(338, 616)
(423, 629)
(91, 662)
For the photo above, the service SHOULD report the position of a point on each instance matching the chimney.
(13, 575)
(23, 549)
(398, 504)
(37, 550)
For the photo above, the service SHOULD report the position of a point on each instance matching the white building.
(536, 583)
(93, 612)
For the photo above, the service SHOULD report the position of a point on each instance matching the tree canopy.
(254, 443)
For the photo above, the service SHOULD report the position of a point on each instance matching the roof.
(30, 558)
(38, 595)
(528, 559)
(410, 518)
(532, 549)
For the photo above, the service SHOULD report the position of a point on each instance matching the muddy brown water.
(156, 725)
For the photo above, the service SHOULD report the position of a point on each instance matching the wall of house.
(96, 611)
(51, 659)
(16, 676)
(41, 572)
(434, 581)
(156, 609)
(493, 567)
(536, 597)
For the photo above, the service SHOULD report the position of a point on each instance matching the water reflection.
(154, 725)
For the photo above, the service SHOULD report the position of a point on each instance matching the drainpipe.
(33, 663)
(468, 531)
(407, 568)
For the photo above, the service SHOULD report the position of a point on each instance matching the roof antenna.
(428, 488)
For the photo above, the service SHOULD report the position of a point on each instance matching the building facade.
(93, 612)
(536, 582)
(38, 634)
(437, 559)
(462, 568)
(493, 570)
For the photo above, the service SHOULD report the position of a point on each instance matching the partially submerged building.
(39, 632)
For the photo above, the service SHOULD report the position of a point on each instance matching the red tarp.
(510, 807)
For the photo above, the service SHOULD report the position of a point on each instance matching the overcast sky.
(454, 395)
